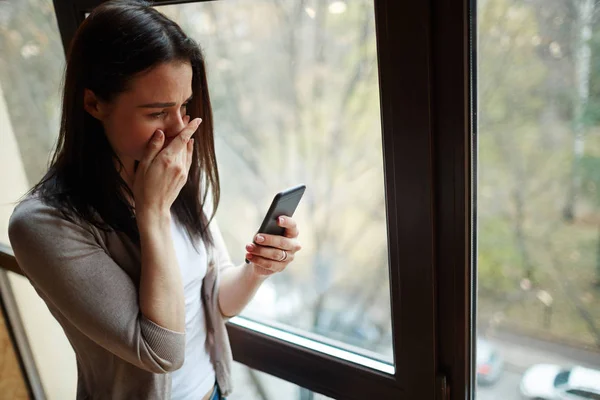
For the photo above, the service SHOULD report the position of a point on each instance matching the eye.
(158, 114)
(184, 105)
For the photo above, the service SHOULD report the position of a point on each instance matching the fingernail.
(281, 220)
(260, 238)
(158, 135)
(249, 247)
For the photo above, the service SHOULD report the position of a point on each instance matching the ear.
(93, 105)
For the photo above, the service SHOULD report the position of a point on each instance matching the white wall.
(52, 352)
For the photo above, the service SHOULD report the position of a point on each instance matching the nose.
(175, 126)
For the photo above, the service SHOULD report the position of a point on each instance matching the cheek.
(130, 136)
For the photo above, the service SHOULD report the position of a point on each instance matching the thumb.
(153, 147)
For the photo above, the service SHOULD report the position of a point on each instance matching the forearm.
(237, 287)
(161, 289)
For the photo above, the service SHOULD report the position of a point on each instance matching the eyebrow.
(162, 105)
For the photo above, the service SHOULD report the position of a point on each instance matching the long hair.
(118, 40)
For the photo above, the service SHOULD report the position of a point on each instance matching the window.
(31, 66)
(300, 95)
(306, 77)
(405, 181)
(30, 72)
(538, 215)
(562, 378)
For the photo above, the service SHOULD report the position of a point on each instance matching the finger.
(265, 263)
(269, 252)
(182, 159)
(153, 147)
(280, 242)
(291, 229)
(262, 271)
(180, 142)
(190, 155)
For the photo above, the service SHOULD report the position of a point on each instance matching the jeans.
(216, 394)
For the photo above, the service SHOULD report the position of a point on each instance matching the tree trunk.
(597, 283)
(519, 231)
(585, 11)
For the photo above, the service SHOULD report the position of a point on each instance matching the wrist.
(255, 273)
(148, 219)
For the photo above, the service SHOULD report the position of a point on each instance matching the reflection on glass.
(538, 201)
(295, 95)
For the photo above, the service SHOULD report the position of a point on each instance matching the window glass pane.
(31, 67)
(294, 90)
(538, 197)
(251, 384)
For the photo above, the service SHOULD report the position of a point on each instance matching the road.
(520, 353)
(506, 388)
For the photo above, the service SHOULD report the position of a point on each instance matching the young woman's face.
(155, 100)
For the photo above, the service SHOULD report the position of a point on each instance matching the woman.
(117, 239)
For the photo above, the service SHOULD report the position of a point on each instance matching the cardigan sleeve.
(74, 275)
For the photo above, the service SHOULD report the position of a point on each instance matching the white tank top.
(197, 375)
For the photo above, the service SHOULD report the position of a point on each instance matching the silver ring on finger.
(285, 256)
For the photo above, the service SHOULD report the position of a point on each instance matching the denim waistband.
(216, 393)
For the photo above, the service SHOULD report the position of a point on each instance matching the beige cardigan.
(89, 280)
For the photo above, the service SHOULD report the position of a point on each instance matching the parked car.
(489, 363)
(553, 382)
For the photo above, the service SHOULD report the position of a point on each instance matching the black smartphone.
(284, 203)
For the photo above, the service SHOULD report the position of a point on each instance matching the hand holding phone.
(284, 203)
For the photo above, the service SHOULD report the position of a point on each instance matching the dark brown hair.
(118, 40)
